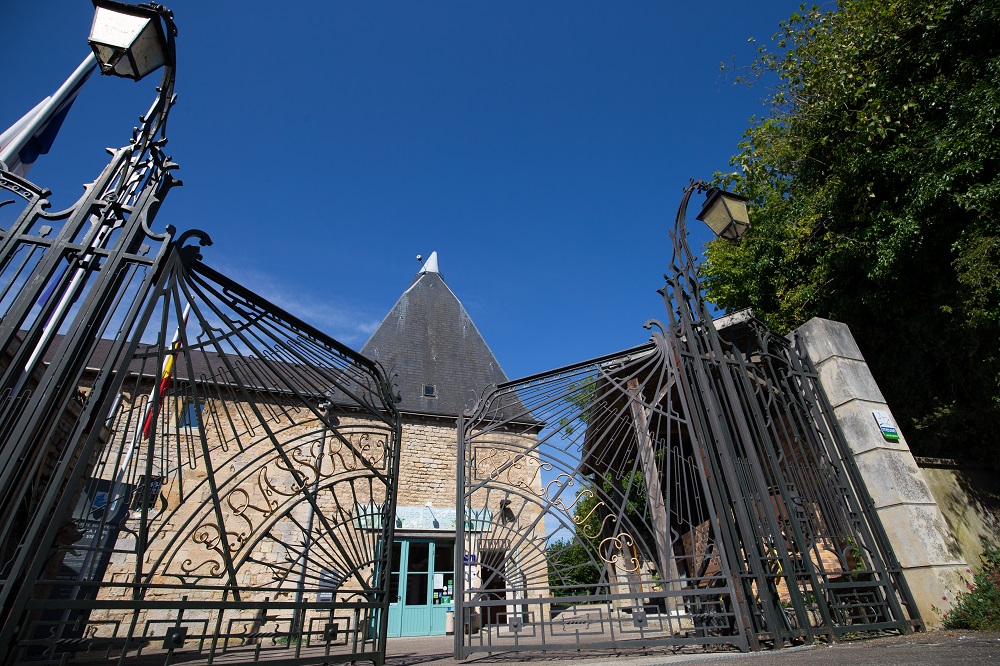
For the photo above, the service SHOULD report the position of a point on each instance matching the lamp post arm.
(150, 136)
(682, 261)
(155, 121)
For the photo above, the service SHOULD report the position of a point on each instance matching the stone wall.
(969, 498)
(262, 522)
(428, 459)
(931, 558)
(262, 461)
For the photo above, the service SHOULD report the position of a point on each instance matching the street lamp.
(726, 214)
(129, 40)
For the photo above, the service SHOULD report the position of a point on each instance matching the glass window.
(416, 589)
(394, 588)
(444, 557)
(190, 413)
(444, 570)
(397, 555)
(419, 557)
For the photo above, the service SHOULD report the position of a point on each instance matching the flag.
(160, 388)
(34, 133)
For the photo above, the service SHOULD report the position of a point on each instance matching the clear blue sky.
(539, 146)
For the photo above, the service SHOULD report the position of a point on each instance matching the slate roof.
(429, 339)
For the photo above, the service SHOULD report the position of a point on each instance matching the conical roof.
(437, 360)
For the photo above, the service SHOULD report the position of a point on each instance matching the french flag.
(33, 134)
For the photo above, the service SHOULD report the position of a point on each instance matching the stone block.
(919, 536)
(892, 477)
(860, 429)
(846, 379)
(934, 589)
(824, 339)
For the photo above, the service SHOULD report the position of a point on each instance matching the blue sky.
(540, 147)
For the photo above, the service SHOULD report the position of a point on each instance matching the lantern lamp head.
(726, 214)
(129, 40)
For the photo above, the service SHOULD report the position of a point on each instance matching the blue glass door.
(421, 587)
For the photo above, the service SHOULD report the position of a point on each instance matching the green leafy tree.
(875, 189)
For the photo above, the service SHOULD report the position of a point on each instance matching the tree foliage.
(875, 189)
(577, 561)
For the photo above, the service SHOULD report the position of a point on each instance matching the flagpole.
(49, 109)
(144, 428)
(128, 192)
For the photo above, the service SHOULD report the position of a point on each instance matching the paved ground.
(936, 648)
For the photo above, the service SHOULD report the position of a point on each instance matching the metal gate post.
(117, 208)
(460, 515)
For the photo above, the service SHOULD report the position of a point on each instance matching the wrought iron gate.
(696, 490)
(186, 470)
(223, 492)
(590, 520)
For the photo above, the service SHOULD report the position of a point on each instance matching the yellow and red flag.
(160, 389)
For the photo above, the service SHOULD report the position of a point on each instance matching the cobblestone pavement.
(936, 648)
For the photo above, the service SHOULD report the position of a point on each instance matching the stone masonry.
(928, 554)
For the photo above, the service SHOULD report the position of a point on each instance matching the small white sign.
(886, 425)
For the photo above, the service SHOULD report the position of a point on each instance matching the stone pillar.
(926, 550)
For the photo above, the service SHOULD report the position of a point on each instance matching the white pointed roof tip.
(431, 265)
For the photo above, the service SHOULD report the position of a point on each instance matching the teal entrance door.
(421, 586)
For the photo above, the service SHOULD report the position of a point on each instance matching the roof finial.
(431, 265)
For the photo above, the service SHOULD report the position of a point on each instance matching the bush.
(979, 608)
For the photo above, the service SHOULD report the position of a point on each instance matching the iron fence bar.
(299, 479)
(226, 547)
(782, 483)
(62, 376)
(703, 403)
(461, 508)
(717, 499)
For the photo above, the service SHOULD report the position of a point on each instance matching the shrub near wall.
(979, 608)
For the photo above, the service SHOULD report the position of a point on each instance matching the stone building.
(225, 493)
(439, 363)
